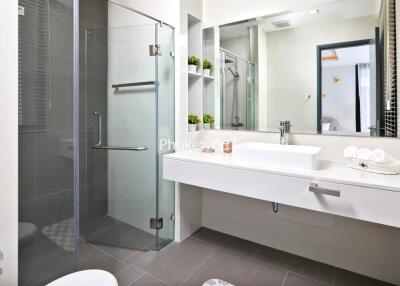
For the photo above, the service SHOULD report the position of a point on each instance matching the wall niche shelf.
(195, 82)
(194, 75)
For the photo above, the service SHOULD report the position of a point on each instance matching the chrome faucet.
(284, 127)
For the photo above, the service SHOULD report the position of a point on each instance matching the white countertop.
(329, 171)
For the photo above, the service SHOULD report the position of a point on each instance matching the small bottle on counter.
(227, 146)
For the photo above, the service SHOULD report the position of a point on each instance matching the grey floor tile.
(147, 280)
(238, 270)
(125, 274)
(346, 278)
(295, 280)
(305, 267)
(227, 242)
(100, 260)
(175, 263)
(85, 249)
(117, 252)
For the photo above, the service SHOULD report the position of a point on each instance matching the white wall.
(293, 68)
(339, 100)
(9, 142)
(187, 199)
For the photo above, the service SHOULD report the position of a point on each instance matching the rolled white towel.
(350, 152)
(364, 154)
(380, 156)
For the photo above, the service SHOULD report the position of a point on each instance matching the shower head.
(229, 60)
(234, 74)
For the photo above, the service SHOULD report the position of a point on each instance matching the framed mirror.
(328, 69)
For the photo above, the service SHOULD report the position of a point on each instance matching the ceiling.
(329, 11)
(350, 56)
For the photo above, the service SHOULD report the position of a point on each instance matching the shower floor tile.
(119, 234)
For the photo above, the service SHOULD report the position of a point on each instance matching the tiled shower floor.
(209, 254)
(112, 232)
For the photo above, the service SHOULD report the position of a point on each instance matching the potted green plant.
(193, 120)
(193, 63)
(207, 66)
(208, 121)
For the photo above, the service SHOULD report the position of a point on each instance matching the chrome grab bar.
(99, 144)
(314, 188)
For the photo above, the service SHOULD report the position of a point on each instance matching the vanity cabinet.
(321, 190)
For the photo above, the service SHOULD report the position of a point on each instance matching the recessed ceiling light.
(314, 11)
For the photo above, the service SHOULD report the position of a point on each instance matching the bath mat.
(216, 282)
(61, 233)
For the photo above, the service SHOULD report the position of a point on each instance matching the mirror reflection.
(327, 69)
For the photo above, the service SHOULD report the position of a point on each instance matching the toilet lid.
(26, 232)
(85, 278)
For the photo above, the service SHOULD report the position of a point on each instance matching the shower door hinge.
(155, 50)
(21, 10)
(156, 223)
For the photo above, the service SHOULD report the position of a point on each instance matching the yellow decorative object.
(336, 79)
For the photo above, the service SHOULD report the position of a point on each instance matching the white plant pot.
(207, 72)
(193, 68)
(192, 127)
(206, 125)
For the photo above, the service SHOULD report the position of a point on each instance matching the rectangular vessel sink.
(285, 156)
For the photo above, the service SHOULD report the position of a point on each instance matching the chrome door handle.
(99, 144)
(314, 188)
(99, 129)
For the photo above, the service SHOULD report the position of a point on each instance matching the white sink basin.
(286, 156)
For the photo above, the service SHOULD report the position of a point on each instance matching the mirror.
(326, 68)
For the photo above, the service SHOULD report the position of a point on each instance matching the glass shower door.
(139, 111)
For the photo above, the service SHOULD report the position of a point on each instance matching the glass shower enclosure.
(138, 116)
(90, 159)
(238, 101)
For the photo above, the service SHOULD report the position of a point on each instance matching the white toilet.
(86, 278)
(26, 234)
